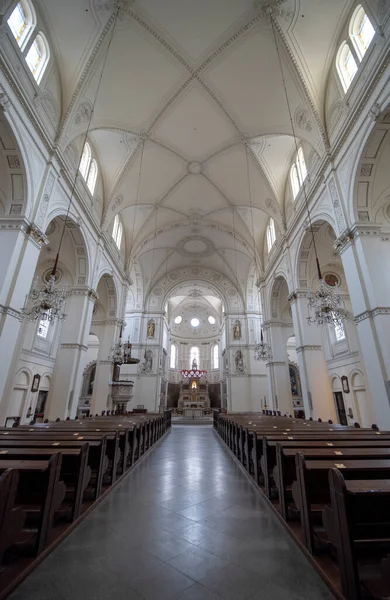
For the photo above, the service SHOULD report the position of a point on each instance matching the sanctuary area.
(194, 299)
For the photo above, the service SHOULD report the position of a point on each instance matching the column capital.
(308, 347)
(276, 363)
(349, 236)
(37, 236)
(270, 324)
(7, 310)
(296, 294)
(84, 291)
(104, 322)
(74, 347)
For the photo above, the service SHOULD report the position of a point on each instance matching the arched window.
(271, 235)
(194, 355)
(301, 165)
(117, 232)
(361, 31)
(173, 357)
(216, 357)
(85, 162)
(346, 65)
(294, 177)
(43, 328)
(339, 330)
(22, 22)
(38, 56)
(92, 176)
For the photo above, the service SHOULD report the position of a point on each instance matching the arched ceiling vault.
(195, 89)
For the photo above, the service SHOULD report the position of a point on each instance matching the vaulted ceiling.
(192, 100)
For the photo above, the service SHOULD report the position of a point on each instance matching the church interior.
(194, 299)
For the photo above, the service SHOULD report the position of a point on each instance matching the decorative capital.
(93, 295)
(343, 241)
(269, 8)
(37, 235)
(295, 295)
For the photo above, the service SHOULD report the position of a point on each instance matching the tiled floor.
(186, 525)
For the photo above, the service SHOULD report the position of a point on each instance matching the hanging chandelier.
(263, 350)
(325, 305)
(47, 303)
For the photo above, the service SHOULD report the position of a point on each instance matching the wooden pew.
(12, 518)
(40, 493)
(359, 513)
(285, 474)
(97, 450)
(75, 472)
(311, 491)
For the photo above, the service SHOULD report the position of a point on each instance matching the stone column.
(20, 245)
(313, 369)
(107, 332)
(278, 371)
(365, 253)
(70, 362)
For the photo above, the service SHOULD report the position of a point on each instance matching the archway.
(335, 346)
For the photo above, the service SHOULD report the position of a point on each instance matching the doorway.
(342, 413)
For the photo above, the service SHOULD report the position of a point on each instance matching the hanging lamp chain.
(325, 306)
(48, 301)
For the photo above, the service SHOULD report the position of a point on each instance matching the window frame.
(195, 355)
(341, 68)
(30, 23)
(40, 68)
(355, 28)
(84, 170)
(271, 234)
(117, 232)
(92, 176)
(215, 356)
(294, 181)
(173, 357)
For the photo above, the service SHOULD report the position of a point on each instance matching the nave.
(185, 524)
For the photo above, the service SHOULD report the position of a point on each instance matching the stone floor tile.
(184, 525)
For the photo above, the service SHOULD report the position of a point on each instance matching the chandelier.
(46, 303)
(262, 350)
(193, 373)
(324, 305)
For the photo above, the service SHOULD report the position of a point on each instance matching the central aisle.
(185, 525)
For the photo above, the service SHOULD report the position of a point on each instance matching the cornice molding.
(74, 347)
(308, 348)
(11, 312)
(34, 354)
(371, 314)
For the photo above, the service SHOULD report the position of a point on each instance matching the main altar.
(194, 392)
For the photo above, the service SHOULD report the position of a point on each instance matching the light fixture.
(195, 322)
(325, 306)
(262, 350)
(47, 303)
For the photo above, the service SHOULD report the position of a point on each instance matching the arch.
(369, 166)
(219, 284)
(108, 295)
(15, 180)
(75, 234)
(278, 287)
(301, 268)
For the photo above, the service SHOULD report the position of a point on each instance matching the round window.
(211, 320)
(178, 320)
(195, 322)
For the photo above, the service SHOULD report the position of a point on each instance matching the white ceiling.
(185, 85)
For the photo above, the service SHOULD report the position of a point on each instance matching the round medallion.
(158, 291)
(195, 246)
(194, 168)
(331, 279)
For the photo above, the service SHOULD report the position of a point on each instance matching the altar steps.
(196, 421)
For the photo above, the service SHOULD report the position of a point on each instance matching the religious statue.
(240, 369)
(237, 330)
(148, 362)
(151, 329)
(194, 365)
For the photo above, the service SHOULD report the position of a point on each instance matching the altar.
(194, 392)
